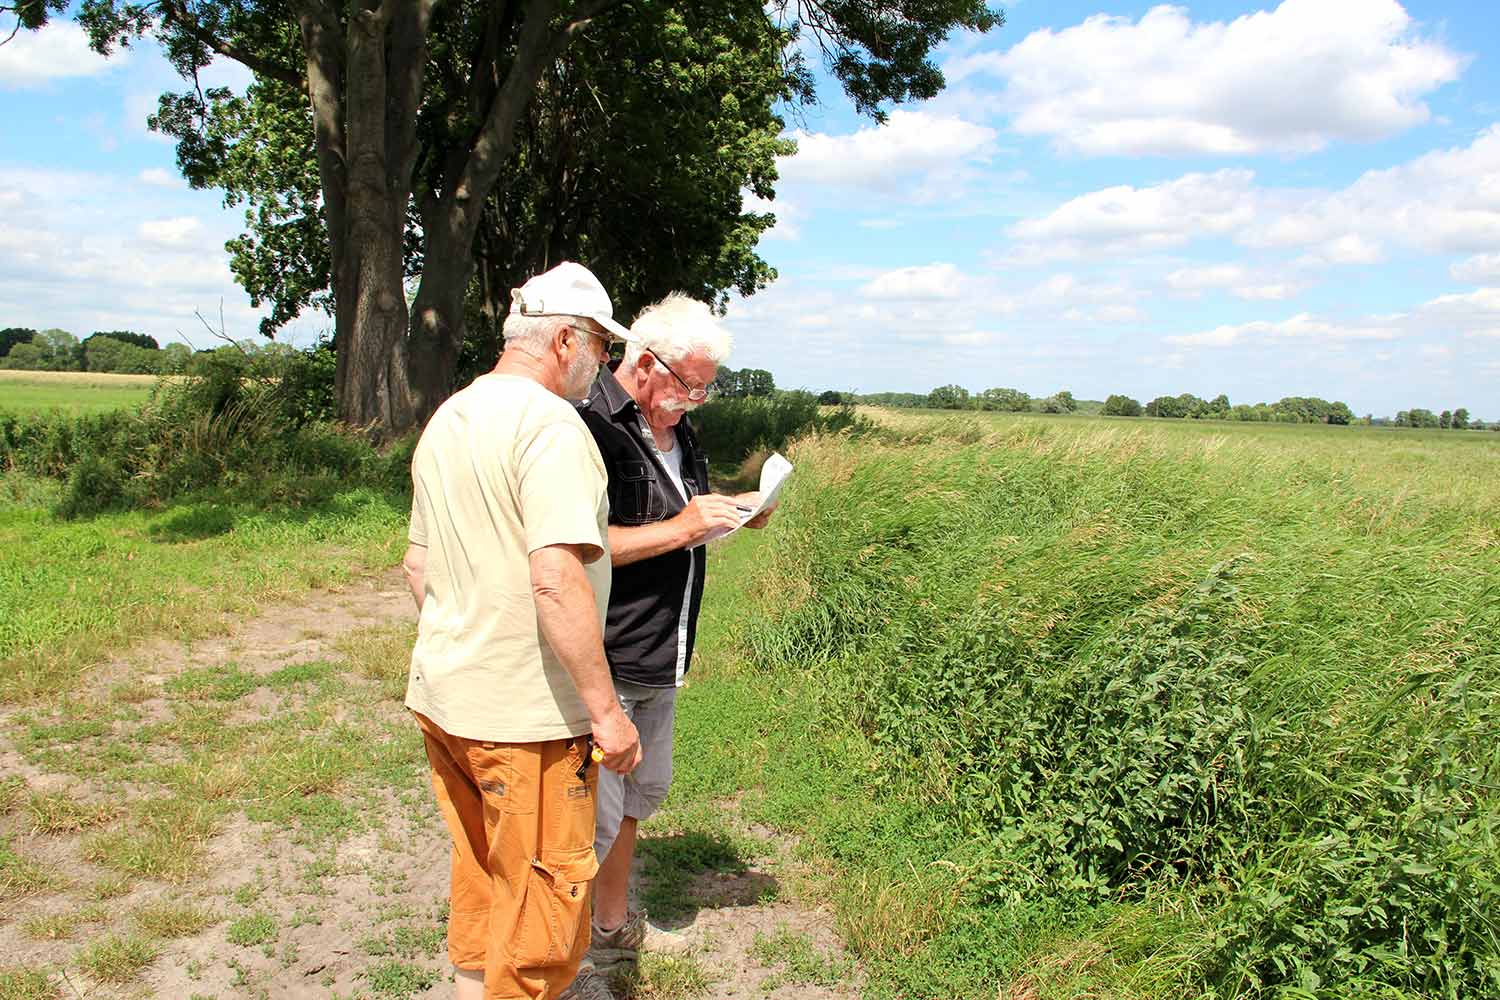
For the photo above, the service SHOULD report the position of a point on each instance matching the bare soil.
(358, 915)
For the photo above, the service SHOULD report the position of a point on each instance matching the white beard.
(580, 377)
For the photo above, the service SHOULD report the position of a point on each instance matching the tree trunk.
(437, 323)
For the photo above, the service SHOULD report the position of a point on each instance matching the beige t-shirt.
(504, 468)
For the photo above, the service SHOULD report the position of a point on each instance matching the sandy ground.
(340, 910)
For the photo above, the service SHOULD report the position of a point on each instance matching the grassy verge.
(1084, 708)
(73, 592)
(73, 392)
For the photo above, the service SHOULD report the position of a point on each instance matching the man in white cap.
(509, 566)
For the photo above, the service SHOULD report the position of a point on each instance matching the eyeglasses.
(696, 395)
(609, 340)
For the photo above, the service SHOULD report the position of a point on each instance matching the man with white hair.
(661, 514)
(509, 565)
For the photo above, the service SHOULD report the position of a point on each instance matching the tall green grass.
(1085, 708)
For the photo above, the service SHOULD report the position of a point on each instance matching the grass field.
(73, 392)
(1055, 707)
(1085, 707)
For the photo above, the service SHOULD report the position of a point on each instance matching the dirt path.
(325, 884)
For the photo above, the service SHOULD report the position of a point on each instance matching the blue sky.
(1292, 199)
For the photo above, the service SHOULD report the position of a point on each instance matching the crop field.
(1037, 708)
(72, 392)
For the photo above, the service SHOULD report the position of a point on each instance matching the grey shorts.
(639, 793)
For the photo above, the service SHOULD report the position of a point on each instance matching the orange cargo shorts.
(523, 830)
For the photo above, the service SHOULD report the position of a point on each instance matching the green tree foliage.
(743, 383)
(127, 337)
(1417, 417)
(1060, 402)
(373, 137)
(106, 354)
(1007, 400)
(949, 397)
(1460, 419)
(901, 400)
(1121, 406)
(830, 397)
(14, 335)
(25, 356)
(50, 350)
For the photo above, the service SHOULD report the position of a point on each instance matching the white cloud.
(1127, 219)
(1479, 268)
(1445, 201)
(159, 177)
(1300, 327)
(58, 51)
(914, 153)
(170, 232)
(89, 255)
(1474, 314)
(1265, 293)
(1195, 279)
(1289, 80)
(788, 217)
(1191, 282)
(930, 281)
(1118, 314)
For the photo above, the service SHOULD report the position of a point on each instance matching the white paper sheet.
(772, 475)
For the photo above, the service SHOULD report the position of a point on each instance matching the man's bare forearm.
(414, 568)
(646, 541)
(569, 621)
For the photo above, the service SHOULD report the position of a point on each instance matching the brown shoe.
(589, 984)
(625, 943)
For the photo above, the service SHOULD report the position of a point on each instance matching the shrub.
(732, 428)
(254, 422)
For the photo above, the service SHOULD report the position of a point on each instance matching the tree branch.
(176, 12)
(585, 12)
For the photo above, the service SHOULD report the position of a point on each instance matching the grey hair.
(676, 327)
(531, 334)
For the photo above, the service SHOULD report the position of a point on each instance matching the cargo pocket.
(554, 907)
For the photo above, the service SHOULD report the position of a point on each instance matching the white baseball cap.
(568, 289)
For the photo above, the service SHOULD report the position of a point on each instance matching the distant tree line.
(118, 351)
(1458, 420)
(1185, 406)
(956, 397)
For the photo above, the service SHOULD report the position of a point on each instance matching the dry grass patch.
(21, 877)
(19, 982)
(381, 653)
(117, 958)
(165, 840)
(59, 812)
(12, 791)
(173, 919)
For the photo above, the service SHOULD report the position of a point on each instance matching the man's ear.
(560, 338)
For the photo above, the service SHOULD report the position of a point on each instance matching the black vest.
(654, 603)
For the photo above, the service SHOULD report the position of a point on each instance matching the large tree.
(416, 108)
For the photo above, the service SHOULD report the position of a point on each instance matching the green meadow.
(1049, 706)
(1088, 707)
(72, 392)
